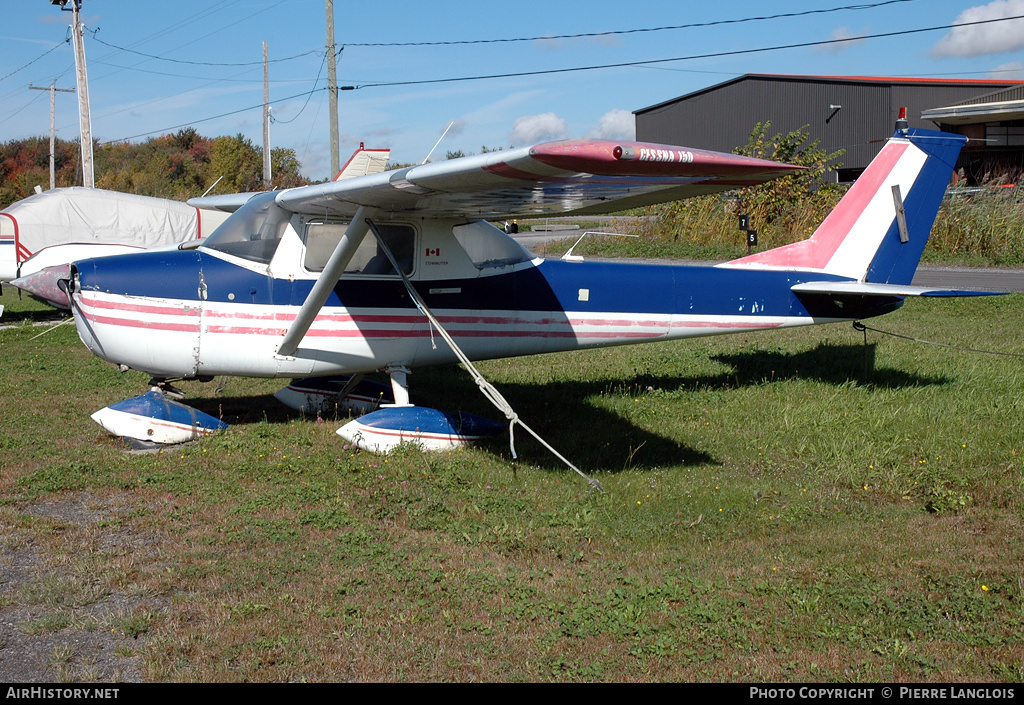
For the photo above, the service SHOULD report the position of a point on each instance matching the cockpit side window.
(370, 258)
(321, 239)
(488, 247)
(253, 232)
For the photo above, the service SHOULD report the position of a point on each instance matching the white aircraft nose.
(85, 331)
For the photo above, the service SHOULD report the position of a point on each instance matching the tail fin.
(878, 230)
(364, 161)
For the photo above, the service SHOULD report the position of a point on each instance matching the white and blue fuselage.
(220, 314)
(223, 309)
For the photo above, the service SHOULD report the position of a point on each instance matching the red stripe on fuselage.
(161, 310)
(378, 326)
(149, 325)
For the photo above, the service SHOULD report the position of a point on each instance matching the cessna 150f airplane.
(351, 277)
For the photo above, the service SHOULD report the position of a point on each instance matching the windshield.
(253, 232)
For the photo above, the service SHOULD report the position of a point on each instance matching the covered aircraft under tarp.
(64, 224)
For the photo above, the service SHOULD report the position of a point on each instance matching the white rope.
(65, 322)
(486, 388)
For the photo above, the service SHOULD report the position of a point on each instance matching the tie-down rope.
(488, 389)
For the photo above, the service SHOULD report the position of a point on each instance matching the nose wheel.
(164, 386)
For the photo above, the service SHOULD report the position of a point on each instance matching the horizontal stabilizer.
(852, 288)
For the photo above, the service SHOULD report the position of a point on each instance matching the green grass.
(769, 514)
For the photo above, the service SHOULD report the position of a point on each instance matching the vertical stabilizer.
(878, 231)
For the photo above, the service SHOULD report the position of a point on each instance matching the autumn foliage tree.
(178, 166)
(25, 164)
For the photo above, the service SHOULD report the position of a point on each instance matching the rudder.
(895, 261)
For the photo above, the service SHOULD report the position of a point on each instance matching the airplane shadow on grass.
(833, 364)
(53, 316)
(593, 438)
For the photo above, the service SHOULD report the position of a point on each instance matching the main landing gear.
(388, 418)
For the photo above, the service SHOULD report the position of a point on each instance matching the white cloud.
(981, 39)
(456, 128)
(844, 38)
(617, 124)
(537, 128)
(1013, 71)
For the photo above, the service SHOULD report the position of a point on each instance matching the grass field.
(769, 513)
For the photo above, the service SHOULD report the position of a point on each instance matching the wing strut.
(321, 290)
(486, 388)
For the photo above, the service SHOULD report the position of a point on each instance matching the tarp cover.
(83, 215)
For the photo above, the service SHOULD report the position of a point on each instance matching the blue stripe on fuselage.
(614, 287)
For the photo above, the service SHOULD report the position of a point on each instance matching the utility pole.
(332, 90)
(84, 117)
(53, 106)
(266, 121)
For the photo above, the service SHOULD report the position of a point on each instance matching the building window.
(1009, 133)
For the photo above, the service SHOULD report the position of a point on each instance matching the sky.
(527, 71)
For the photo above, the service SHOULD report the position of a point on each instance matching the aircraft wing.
(567, 177)
(227, 203)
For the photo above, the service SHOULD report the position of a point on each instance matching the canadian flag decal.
(434, 252)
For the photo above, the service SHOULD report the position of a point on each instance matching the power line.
(13, 113)
(135, 106)
(711, 55)
(308, 97)
(589, 35)
(192, 18)
(696, 25)
(214, 117)
(196, 78)
(648, 62)
(32, 62)
(202, 63)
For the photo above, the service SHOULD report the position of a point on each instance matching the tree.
(177, 166)
(25, 164)
(788, 201)
(237, 163)
(284, 167)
